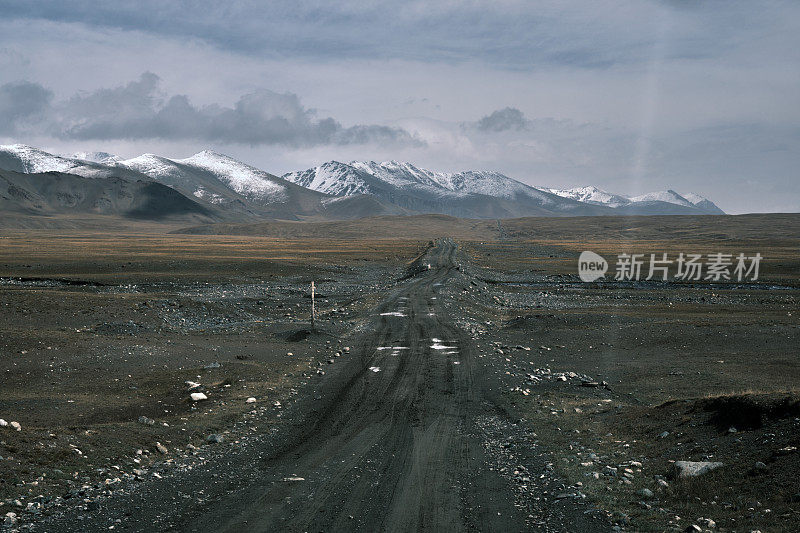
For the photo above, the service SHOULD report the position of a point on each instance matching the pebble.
(645, 493)
(161, 448)
(198, 396)
(707, 522)
(3, 423)
(215, 438)
(250, 400)
(146, 421)
(16, 426)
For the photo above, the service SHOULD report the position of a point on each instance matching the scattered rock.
(215, 438)
(161, 448)
(213, 365)
(146, 421)
(684, 469)
(3, 423)
(707, 522)
(647, 494)
(694, 528)
(294, 478)
(783, 451)
(15, 425)
(250, 400)
(198, 396)
(192, 385)
(610, 471)
(664, 435)
(759, 466)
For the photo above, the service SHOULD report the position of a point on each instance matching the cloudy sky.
(631, 96)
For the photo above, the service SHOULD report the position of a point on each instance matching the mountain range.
(215, 187)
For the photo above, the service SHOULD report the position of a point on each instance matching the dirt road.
(386, 442)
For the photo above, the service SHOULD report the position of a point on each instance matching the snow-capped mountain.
(592, 195)
(211, 176)
(670, 197)
(475, 194)
(421, 188)
(29, 160)
(358, 177)
(232, 189)
(97, 157)
(663, 201)
(703, 203)
(344, 190)
(244, 179)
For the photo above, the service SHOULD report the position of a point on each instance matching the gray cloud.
(510, 33)
(139, 110)
(505, 119)
(641, 94)
(20, 102)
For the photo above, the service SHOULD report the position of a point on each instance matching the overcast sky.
(631, 96)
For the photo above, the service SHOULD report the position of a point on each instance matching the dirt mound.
(748, 412)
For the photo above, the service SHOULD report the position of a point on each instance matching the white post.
(313, 310)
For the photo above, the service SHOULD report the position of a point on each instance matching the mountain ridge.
(358, 188)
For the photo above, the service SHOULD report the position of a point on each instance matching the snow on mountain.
(670, 197)
(152, 165)
(332, 178)
(592, 195)
(703, 203)
(206, 173)
(392, 179)
(360, 177)
(97, 157)
(244, 179)
(222, 180)
(29, 160)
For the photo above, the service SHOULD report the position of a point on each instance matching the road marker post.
(313, 308)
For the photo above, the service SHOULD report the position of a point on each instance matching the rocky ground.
(592, 394)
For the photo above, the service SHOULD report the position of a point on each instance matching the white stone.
(198, 396)
(685, 469)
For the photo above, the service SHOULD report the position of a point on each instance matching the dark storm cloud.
(21, 102)
(505, 119)
(139, 110)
